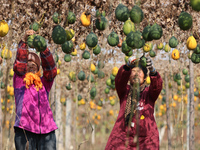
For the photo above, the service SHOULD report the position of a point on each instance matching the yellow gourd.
(85, 19)
(4, 28)
(148, 81)
(191, 43)
(74, 53)
(175, 54)
(11, 73)
(147, 47)
(6, 53)
(58, 71)
(82, 46)
(114, 71)
(175, 97)
(82, 101)
(92, 67)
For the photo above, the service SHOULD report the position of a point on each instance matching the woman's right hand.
(132, 62)
(28, 33)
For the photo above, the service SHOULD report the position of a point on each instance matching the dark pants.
(36, 141)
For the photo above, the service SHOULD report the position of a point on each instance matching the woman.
(34, 123)
(124, 133)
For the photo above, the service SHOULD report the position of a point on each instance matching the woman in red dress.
(125, 132)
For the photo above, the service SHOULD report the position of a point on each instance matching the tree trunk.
(191, 143)
(168, 112)
(68, 125)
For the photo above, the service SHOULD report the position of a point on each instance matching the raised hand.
(27, 33)
(132, 61)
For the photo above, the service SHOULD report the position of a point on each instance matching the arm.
(121, 80)
(20, 64)
(48, 65)
(155, 86)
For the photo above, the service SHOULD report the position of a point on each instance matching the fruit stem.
(42, 19)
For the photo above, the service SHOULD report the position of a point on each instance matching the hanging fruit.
(160, 46)
(147, 47)
(175, 54)
(4, 28)
(120, 43)
(6, 53)
(85, 19)
(128, 27)
(113, 39)
(67, 47)
(91, 40)
(145, 33)
(39, 43)
(97, 50)
(35, 26)
(101, 23)
(195, 4)
(82, 46)
(71, 17)
(148, 80)
(191, 43)
(56, 18)
(173, 42)
(136, 14)
(30, 40)
(185, 21)
(122, 12)
(70, 34)
(59, 35)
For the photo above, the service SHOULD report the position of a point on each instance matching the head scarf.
(31, 78)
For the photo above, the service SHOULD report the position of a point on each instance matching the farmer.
(124, 133)
(34, 124)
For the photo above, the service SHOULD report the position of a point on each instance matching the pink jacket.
(148, 132)
(33, 112)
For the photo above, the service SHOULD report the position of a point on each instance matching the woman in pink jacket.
(34, 123)
(126, 133)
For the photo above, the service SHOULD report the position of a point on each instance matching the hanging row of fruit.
(135, 38)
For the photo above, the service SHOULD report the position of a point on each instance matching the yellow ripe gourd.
(92, 67)
(6, 53)
(82, 46)
(148, 81)
(74, 53)
(85, 19)
(115, 71)
(175, 54)
(191, 43)
(175, 97)
(147, 47)
(4, 28)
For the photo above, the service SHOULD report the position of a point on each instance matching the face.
(32, 67)
(136, 73)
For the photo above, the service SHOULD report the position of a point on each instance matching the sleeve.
(47, 84)
(20, 64)
(121, 80)
(155, 86)
(48, 65)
